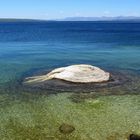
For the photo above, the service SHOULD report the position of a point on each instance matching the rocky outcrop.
(74, 73)
(75, 78)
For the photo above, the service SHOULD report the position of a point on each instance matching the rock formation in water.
(134, 137)
(74, 73)
(66, 128)
(75, 78)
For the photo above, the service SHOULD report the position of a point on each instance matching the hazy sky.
(51, 9)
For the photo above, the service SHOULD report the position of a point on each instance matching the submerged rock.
(134, 137)
(74, 74)
(66, 128)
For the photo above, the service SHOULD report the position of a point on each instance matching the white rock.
(74, 73)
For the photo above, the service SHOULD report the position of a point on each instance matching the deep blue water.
(27, 46)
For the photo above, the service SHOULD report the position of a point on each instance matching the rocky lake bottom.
(109, 113)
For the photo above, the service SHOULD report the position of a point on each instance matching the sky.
(57, 9)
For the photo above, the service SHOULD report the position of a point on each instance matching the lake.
(31, 47)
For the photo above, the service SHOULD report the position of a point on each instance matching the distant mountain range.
(119, 18)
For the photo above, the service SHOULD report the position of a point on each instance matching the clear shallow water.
(32, 46)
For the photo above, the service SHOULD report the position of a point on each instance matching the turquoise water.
(29, 47)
